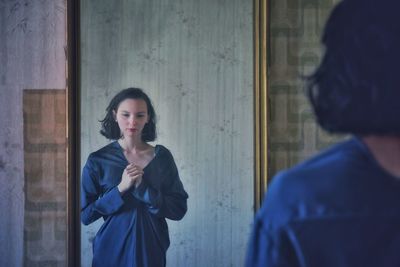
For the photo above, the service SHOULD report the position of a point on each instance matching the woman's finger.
(130, 167)
(135, 174)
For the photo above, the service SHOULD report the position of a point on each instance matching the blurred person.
(342, 207)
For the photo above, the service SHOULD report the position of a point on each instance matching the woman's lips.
(132, 129)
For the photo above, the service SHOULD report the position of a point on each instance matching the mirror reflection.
(132, 185)
(194, 59)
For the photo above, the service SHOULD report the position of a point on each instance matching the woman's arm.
(94, 204)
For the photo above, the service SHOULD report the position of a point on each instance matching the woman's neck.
(386, 151)
(132, 144)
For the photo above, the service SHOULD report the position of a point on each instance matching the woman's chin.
(131, 134)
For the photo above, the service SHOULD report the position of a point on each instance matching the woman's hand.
(132, 175)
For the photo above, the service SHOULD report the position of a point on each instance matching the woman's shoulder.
(158, 148)
(103, 151)
(337, 156)
(162, 151)
(317, 180)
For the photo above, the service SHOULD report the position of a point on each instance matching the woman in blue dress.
(133, 186)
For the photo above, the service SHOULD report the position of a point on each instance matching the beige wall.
(195, 59)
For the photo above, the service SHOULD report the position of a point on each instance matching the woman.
(132, 185)
(341, 207)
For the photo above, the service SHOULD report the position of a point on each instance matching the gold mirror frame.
(261, 107)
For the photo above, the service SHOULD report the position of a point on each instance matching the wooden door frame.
(73, 134)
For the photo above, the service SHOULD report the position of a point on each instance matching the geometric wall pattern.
(44, 113)
(295, 51)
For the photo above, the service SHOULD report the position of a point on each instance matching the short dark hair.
(356, 88)
(110, 128)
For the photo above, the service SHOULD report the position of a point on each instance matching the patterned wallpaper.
(295, 50)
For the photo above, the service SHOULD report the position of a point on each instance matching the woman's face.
(131, 116)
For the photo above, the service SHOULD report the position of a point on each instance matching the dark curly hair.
(356, 88)
(109, 127)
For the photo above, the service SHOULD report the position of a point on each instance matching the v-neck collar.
(121, 150)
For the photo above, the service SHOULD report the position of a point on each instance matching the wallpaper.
(295, 51)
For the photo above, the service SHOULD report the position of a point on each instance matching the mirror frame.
(261, 113)
(261, 100)
(73, 132)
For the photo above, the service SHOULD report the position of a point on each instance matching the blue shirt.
(338, 209)
(134, 232)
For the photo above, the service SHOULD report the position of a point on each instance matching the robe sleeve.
(272, 248)
(257, 252)
(166, 199)
(95, 204)
(272, 243)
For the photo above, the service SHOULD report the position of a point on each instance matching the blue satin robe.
(338, 209)
(134, 232)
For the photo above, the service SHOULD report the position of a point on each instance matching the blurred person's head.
(356, 88)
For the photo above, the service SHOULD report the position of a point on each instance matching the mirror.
(195, 61)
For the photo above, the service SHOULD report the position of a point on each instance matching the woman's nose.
(132, 121)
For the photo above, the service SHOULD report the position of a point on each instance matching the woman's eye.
(126, 115)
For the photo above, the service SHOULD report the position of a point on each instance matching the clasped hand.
(132, 176)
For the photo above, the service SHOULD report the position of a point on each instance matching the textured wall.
(296, 27)
(32, 35)
(195, 59)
